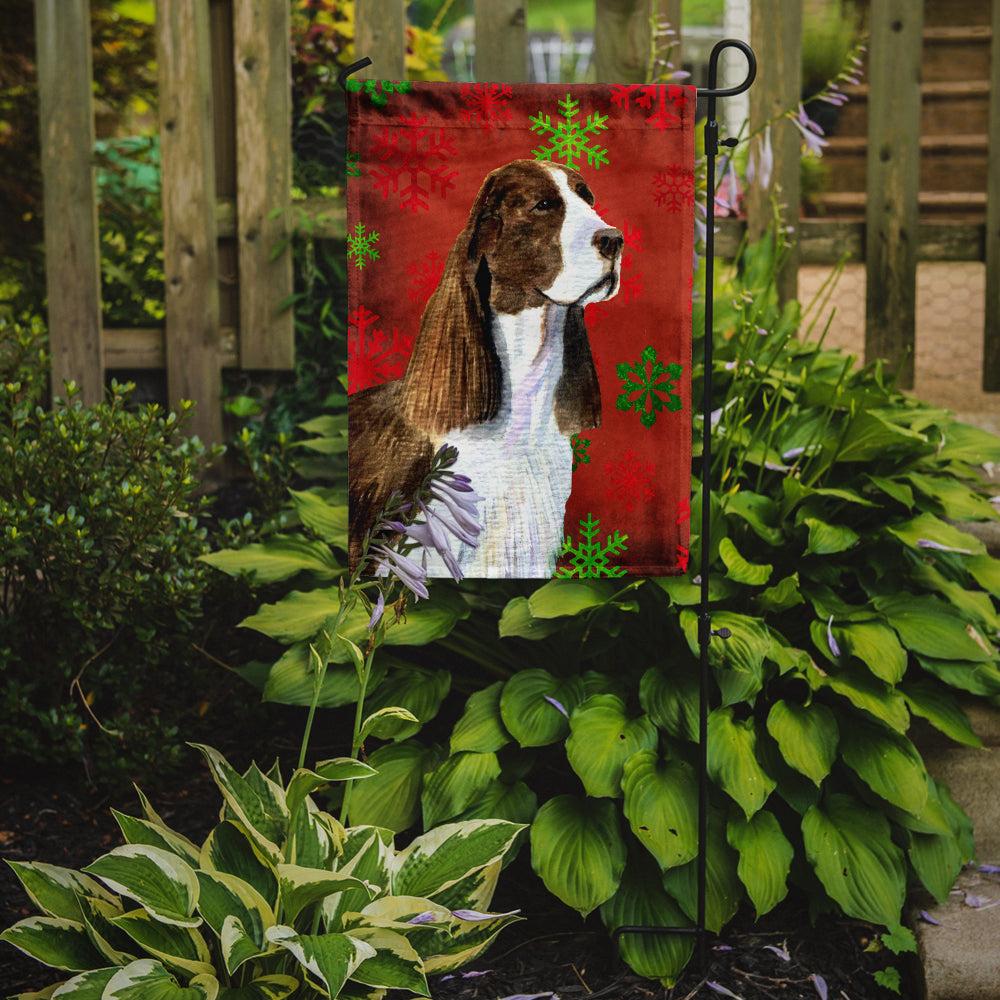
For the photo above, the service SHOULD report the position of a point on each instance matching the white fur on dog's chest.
(520, 461)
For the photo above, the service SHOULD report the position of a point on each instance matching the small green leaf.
(279, 558)
(828, 539)
(932, 628)
(559, 598)
(391, 798)
(732, 760)
(530, 706)
(765, 858)
(807, 736)
(481, 727)
(888, 763)
(670, 698)
(738, 569)
(456, 784)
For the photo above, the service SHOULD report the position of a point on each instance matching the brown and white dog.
(501, 369)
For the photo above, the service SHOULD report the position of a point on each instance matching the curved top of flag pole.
(712, 90)
(348, 70)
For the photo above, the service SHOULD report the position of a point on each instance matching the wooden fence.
(226, 160)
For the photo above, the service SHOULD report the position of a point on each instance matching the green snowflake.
(570, 138)
(580, 455)
(353, 166)
(658, 394)
(589, 557)
(362, 245)
(378, 91)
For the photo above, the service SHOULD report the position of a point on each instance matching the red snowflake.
(486, 103)
(629, 480)
(425, 275)
(673, 189)
(648, 94)
(412, 162)
(373, 356)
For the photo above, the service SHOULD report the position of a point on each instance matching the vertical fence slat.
(893, 183)
(261, 57)
(776, 35)
(670, 12)
(380, 34)
(501, 41)
(621, 40)
(190, 254)
(72, 257)
(991, 332)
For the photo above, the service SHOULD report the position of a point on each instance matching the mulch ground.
(59, 821)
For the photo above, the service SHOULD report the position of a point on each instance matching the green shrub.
(99, 546)
(280, 899)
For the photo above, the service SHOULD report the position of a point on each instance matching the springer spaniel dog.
(502, 370)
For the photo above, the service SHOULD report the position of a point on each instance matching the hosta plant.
(279, 900)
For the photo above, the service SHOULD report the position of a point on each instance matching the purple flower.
(427, 917)
(811, 132)
(820, 983)
(761, 163)
(927, 543)
(558, 705)
(834, 648)
(411, 574)
(475, 915)
(377, 611)
(719, 988)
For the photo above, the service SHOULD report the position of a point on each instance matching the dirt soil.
(551, 953)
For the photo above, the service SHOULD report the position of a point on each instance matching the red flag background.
(417, 155)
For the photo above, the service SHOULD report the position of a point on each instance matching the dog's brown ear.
(453, 377)
(578, 394)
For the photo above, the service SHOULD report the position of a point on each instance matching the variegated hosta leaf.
(315, 838)
(54, 941)
(158, 880)
(642, 902)
(535, 706)
(300, 887)
(732, 760)
(441, 857)
(329, 959)
(274, 987)
(888, 763)
(149, 980)
(807, 736)
(395, 964)
(481, 727)
(141, 831)
(456, 784)
(850, 847)
(116, 946)
(661, 799)
(578, 851)
(765, 858)
(225, 897)
(87, 986)
(230, 849)
(56, 891)
(466, 941)
(476, 890)
(304, 782)
(602, 737)
(177, 947)
(256, 801)
(367, 853)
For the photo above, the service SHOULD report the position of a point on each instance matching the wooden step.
(940, 13)
(956, 53)
(957, 206)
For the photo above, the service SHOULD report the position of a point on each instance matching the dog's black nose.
(609, 243)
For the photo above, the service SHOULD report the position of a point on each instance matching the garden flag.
(520, 277)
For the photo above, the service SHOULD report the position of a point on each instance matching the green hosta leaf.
(888, 763)
(850, 847)
(260, 809)
(456, 784)
(386, 723)
(180, 948)
(765, 858)
(876, 646)
(279, 558)
(732, 760)
(159, 881)
(758, 511)
(330, 959)
(395, 964)
(516, 803)
(965, 443)
(870, 436)
(931, 628)
(723, 889)
(807, 736)
(559, 598)
(56, 891)
(661, 798)
(738, 569)
(957, 501)
(864, 691)
(986, 572)
(893, 488)
(684, 593)
(301, 887)
(937, 859)
(418, 690)
(225, 897)
(391, 798)
(517, 620)
(528, 714)
(828, 539)
(738, 661)
(578, 851)
(329, 521)
(976, 678)
(481, 728)
(641, 901)
(671, 699)
(292, 680)
(602, 738)
(54, 941)
(783, 595)
(438, 859)
(230, 849)
(304, 782)
(975, 605)
(928, 528)
(941, 709)
(141, 831)
(275, 987)
(147, 979)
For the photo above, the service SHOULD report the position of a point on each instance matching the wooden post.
(893, 183)
(262, 60)
(621, 40)
(991, 333)
(501, 41)
(380, 34)
(190, 254)
(776, 34)
(72, 255)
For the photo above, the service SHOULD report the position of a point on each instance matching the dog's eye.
(546, 205)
